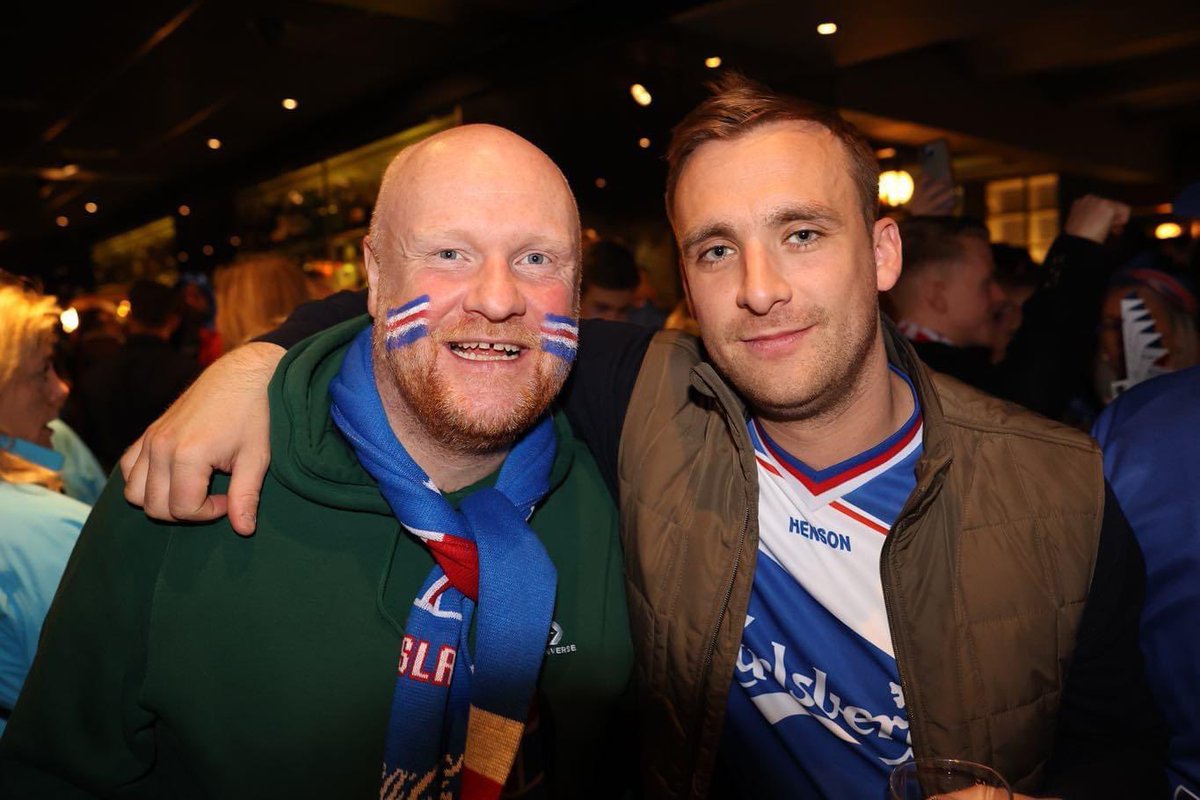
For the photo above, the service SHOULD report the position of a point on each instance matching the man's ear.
(372, 277)
(888, 253)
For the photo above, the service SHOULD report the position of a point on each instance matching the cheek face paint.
(560, 336)
(406, 324)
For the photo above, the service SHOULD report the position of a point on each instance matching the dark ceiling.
(114, 105)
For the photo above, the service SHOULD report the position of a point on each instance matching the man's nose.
(763, 286)
(496, 292)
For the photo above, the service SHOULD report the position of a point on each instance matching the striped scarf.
(455, 727)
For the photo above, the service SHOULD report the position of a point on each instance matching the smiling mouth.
(775, 336)
(486, 351)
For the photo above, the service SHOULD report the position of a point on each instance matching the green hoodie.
(183, 661)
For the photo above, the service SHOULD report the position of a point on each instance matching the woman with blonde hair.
(255, 294)
(38, 524)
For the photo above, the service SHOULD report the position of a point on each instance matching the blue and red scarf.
(455, 726)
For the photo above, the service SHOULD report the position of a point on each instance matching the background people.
(38, 523)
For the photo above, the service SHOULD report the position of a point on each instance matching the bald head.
(473, 251)
(475, 165)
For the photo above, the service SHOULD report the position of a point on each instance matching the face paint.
(406, 324)
(560, 336)
(1142, 343)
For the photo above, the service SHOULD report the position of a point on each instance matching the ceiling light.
(290, 103)
(895, 187)
(69, 320)
(235, 241)
(184, 211)
(827, 28)
(601, 183)
(641, 95)
(181, 257)
(1168, 230)
(214, 144)
(644, 143)
(712, 62)
(91, 208)
(207, 249)
(885, 152)
(123, 309)
(62, 222)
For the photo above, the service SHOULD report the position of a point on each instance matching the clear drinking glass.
(946, 779)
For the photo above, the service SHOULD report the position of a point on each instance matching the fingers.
(156, 500)
(187, 487)
(244, 488)
(130, 457)
(134, 464)
(1121, 214)
(1093, 218)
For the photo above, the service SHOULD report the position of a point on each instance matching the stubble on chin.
(811, 386)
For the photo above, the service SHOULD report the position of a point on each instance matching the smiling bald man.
(436, 584)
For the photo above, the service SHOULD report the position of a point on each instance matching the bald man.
(435, 596)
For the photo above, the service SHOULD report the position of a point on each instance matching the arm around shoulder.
(221, 423)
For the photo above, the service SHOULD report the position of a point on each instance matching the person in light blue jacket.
(38, 524)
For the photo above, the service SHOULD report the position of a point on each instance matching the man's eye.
(448, 255)
(716, 252)
(805, 236)
(536, 259)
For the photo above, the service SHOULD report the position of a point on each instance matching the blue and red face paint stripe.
(560, 336)
(407, 323)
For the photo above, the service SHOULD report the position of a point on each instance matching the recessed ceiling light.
(184, 210)
(207, 249)
(641, 95)
(62, 222)
(235, 241)
(601, 183)
(290, 103)
(214, 144)
(712, 62)
(181, 257)
(91, 208)
(1168, 230)
(644, 143)
(827, 28)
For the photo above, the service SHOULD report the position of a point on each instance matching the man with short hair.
(437, 580)
(948, 293)
(835, 560)
(610, 279)
(954, 312)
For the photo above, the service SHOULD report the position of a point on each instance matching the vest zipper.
(706, 664)
(897, 644)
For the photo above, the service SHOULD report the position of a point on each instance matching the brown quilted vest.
(985, 572)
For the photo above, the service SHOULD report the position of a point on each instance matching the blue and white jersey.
(816, 708)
